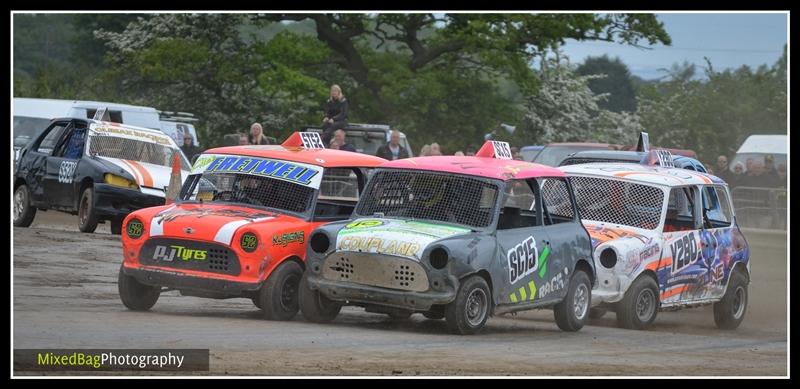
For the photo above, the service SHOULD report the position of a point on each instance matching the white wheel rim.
(739, 302)
(476, 307)
(19, 203)
(645, 305)
(581, 301)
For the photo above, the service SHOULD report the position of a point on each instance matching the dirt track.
(65, 296)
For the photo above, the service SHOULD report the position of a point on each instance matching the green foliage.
(617, 83)
(716, 115)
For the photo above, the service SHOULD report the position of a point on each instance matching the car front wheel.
(87, 216)
(572, 312)
(24, 212)
(316, 307)
(135, 295)
(467, 314)
(278, 298)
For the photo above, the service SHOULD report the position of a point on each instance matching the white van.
(756, 147)
(31, 116)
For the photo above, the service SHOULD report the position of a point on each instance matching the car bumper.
(115, 202)
(181, 281)
(365, 294)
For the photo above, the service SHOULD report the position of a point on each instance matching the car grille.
(376, 270)
(185, 254)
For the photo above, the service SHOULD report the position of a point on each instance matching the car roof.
(582, 144)
(525, 148)
(500, 169)
(151, 134)
(320, 157)
(653, 175)
(615, 154)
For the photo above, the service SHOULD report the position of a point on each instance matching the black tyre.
(572, 312)
(400, 315)
(135, 295)
(316, 307)
(256, 302)
(729, 312)
(436, 313)
(467, 314)
(278, 297)
(639, 308)
(24, 212)
(116, 226)
(597, 313)
(87, 216)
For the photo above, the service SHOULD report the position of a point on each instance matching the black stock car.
(100, 171)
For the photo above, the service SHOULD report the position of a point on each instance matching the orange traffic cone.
(174, 188)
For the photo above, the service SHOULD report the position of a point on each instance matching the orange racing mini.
(239, 226)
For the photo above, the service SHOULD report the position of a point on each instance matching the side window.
(716, 208)
(338, 193)
(72, 147)
(556, 201)
(519, 205)
(680, 210)
(51, 139)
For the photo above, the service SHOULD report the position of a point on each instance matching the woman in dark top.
(335, 114)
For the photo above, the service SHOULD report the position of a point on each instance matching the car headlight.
(122, 182)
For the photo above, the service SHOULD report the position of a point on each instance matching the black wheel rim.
(739, 302)
(289, 292)
(476, 307)
(645, 305)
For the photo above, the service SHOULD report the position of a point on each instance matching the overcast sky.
(729, 40)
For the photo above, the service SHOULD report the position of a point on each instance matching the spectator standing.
(243, 140)
(436, 149)
(425, 151)
(188, 148)
(339, 142)
(737, 176)
(459, 153)
(771, 177)
(335, 114)
(782, 175)
(393, 150)
(723, 170)
(257, 136)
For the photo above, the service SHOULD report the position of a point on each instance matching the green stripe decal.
(543, 261)
(513, 297)
(532, 287)
(522, 293)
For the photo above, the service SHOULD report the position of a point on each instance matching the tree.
(714, 116)
(617, 83)
(565, 109)
(491, 42)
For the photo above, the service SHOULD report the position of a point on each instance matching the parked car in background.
(176, 124)
(32, 116)
(367, 138)
(455, 238)
(554, 153)
(529, 153)
(99, 170)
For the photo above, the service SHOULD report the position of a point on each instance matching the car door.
(683, 275)
(720, 246)
(569, 240)
(60, 172)
(523, 243)
(33, 163)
